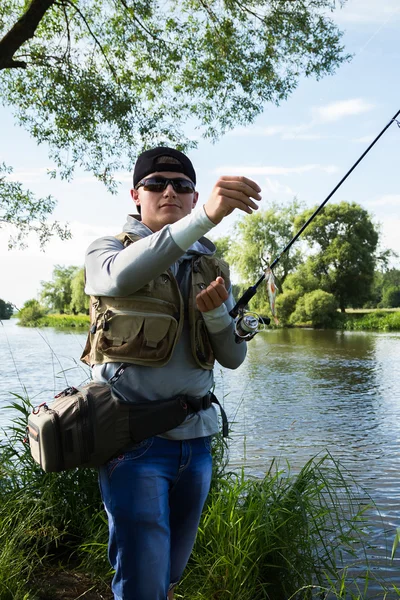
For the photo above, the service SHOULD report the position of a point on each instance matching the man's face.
(158, 209)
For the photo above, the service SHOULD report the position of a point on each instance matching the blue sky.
(301, 148)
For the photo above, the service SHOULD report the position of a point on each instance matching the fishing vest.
(144, 328)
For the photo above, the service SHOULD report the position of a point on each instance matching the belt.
(193, 404)
(196, 404)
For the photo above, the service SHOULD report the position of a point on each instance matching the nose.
(169, 190)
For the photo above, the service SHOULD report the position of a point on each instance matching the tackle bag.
(87, 426)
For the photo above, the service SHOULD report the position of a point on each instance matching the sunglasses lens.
(182, 186)
(158, 184)
(154, 185)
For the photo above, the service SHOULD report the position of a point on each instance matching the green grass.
(61, 321)
(267, 539)
(278, 538)
(373, 321)
(364, 320)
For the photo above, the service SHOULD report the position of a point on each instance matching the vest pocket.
(136, 335)
(204, 352)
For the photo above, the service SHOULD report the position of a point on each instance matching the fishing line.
(251, 291)
(52, 352)
(377, 31)
(13, 359)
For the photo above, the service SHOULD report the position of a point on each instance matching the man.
(160, 303)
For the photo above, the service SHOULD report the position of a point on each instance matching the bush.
(390, 297)
(30, 313)
(286, 304)
(317, 307)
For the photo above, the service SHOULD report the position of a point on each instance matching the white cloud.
(37, 175)
(388, 200)
(273, 186)
(273, 170)
(292, 135)
(321, 115)
(367, 11)
(258, 131)
(338, 110)
(287, 132)
(366, 139)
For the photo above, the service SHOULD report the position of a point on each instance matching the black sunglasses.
(158, 184)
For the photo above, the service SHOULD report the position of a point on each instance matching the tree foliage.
(20, 208)
(57, 294)
(382, 282)
(6, 310)
(390, 297)
(79, 300)
(259, 238)
(317, 307)
(30, 313)
(99, 80)
(222, 246)
(344, 241)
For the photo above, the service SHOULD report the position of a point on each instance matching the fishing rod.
(239, 307)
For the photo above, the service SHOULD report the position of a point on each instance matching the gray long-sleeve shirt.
(112, 270)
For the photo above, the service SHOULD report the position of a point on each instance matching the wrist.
(214, 220)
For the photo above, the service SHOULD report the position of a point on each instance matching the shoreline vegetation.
(352, 320)
(283, 537)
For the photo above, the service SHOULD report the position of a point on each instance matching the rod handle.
(243, 300)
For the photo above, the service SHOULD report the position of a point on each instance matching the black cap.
(147, 163)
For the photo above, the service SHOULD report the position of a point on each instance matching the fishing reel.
(248, 324)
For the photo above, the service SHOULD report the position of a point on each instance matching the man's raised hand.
(229, 193)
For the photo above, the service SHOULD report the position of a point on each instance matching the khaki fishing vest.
(144, 328)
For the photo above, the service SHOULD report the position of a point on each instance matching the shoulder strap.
(127, 238)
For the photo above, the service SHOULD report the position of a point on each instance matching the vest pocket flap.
(156, 329)
(123, 329)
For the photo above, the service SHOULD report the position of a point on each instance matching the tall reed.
(271, 538)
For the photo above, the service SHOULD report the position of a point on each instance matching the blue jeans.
(154, 495)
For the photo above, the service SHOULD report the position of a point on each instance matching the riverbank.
(60, 322)
(352, 320)
(373, 320)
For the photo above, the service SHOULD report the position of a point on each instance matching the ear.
(135, 196)
(195, 198)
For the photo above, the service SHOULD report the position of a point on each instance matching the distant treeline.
(6, 310)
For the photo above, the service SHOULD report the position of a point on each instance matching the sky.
(300, 149)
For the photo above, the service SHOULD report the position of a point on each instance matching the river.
(300, 392)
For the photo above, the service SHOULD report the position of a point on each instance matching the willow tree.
(100, 80)
(259, 238)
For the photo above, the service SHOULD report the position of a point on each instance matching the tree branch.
(23, 30)
(96, 41)
(141, 25)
